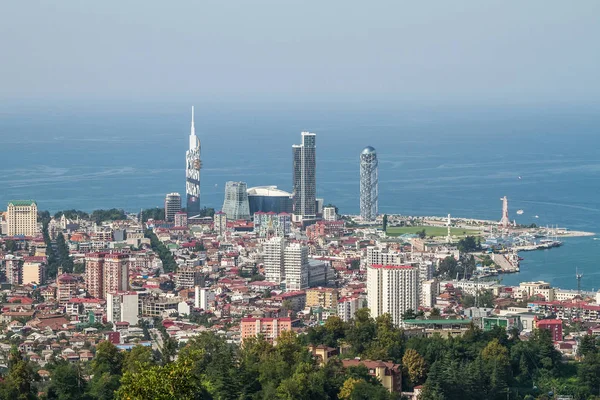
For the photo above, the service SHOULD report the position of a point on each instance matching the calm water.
(432, 162)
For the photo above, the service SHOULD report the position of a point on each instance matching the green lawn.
(431, 231)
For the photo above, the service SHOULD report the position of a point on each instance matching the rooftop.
(22, 202)
(270, 191)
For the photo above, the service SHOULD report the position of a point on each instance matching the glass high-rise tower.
(236, 204)
(304, 178)
(368, 184)
(192, 173)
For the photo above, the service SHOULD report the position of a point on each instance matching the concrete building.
(271, 224)
(66, 288)
(369, 182)
(319, 273)
(296, 266)
(269, 328)
(530, 289)
(392, 289)
(116, 273)
(189, 277)
(192, 173)
(388, 373)
(552, 325)
(181, 219)
(274, 260)
(236, 204)
(430, 289)
(13, 269)
(329, 214)
(220, 223)
(22, 218)
(34, 270)
(203, 297)
(347, 306)
(269, 199)
(304, 178)
(122, 307)
(322, 297)
(94, 274)
(172, 206)
(384, 256)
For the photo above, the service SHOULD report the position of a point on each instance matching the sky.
(535, 51)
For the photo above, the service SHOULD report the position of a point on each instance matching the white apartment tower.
(172, 206)
(22, 218)
(273, 260)
(296, 267)
(392, 289)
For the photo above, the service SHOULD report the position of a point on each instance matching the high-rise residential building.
(192, 173)
(220, 223)
(94, 274)
(236, 204)
(172, 206)
(273, 259)
(21, 218)
(122, 307)
(304, 178)
(392, 289)
(14, 269)
(189, 277)
(34, 270)
(385, 256)
(66, 288)
(271, 224)
(181, 219)
(347, 306)
(329, 214)
(116, 273)
(368, 183)
(322, 297)
(269, 328)
(295, 259)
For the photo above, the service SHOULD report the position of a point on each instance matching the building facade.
(181, 219)
(271, 224)
(34, 271)
(235, 204)
(273, 259)
(116, 273)
(192, 173)
(322, 297)
(392, 289)
(220, 223)
(94, 274)
(304, 178)
(269, 199)
(21, 218)
(296, 266)
(269, 328)
(172, 206)
(122, 307)
(369, 182)
(329, 214)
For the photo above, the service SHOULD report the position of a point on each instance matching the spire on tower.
(193, 131)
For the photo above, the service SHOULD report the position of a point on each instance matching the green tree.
(468, 244)
(138, 359)
(414, 366)
(360, 330)
(67, 382)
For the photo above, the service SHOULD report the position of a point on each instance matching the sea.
(433, 160)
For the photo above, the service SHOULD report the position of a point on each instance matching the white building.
(172, 206)
(392, 289)
(428, 292)
(21, 218)
(122, 307)
(296, 267)
(273, 260)
(203, 297)
(347, 307)
(329, 214)
(384, 256)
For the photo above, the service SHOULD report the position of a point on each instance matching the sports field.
(431, 231)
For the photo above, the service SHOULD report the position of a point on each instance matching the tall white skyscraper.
(392, 289)
(369, 181)
(172, 206)
(304, 178)
(296, 266)
(273, 259)
(236, 204)
(192, 173)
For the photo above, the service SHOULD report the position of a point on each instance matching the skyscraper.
(295, 264)
(304, 178)
(192, 173)
(392, 289)
(22, 218)
(236, 204)
(172, 206)
(368, 184)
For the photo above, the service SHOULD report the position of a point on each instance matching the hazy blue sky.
(504, 51)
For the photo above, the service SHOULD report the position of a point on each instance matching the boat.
(537, 216)
(520, 212)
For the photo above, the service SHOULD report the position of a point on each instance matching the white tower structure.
(369, 181)
(449, 236)
(192, 173)
(505, 221)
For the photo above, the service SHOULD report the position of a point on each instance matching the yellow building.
(21, 218)
(322, 297)
(34, 271)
